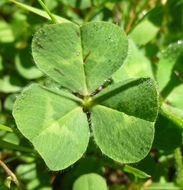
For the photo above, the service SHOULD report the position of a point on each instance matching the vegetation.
(92, 89)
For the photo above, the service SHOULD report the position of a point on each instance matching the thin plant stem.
(132, 16)
(48, 12)
(179, 166)
(9, 172)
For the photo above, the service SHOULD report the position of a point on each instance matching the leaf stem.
(9, 172)
(179, 166)
(39, 12)
(54, 21)
(5, 128)
(132, 16)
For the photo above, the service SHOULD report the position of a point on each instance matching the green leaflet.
(90, 181)
(25, 66)
(54, 122)
(136, 172)
(169, 77)
(136, 97)
(170, 65)
(172, 106)
(148, 27)
(175, 97)
(161, 186)
(6, 32)
(9, 101)
(130, 69)
(75, 56)
(11, 83)
(119, 136)
(126, 113)
(172, 113)
(35, 175)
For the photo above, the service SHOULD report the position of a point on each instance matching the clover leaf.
(90, 181)
(55, 120)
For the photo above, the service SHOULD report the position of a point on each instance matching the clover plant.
(90, 181)
(60, 121)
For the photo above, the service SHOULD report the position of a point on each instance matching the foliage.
(81, 88)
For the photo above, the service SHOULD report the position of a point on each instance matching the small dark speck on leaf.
(78, 34)
(87, 55)
(58, 71)
(39, 45)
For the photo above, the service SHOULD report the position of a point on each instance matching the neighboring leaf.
(69, 53)
(38, 11)
(6, 33)
(19, 19)
(148, 27)
(11, 83)
(11, 138)
(93, 165)
(170, 76)
(172, 106)
(136, 172)
(54, 122)
(123, 119)
(135, 65)
(25, 66)
(26, 171)
(35, 176)
(168, 136)
(90, 181)
(175, 98)
(161, 186)
(169, 65)
(172, 113)
(78, 3)
(9, 101)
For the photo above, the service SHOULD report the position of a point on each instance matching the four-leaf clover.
(81, 58)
